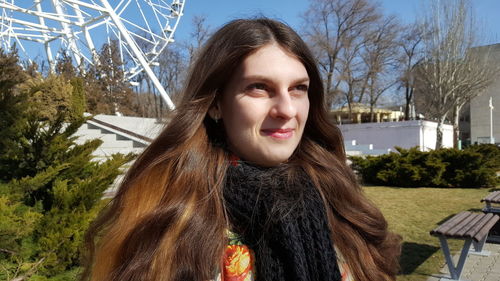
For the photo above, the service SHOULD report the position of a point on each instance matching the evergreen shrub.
(475, 166)
(50, 187)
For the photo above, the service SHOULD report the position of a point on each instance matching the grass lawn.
(413, 212)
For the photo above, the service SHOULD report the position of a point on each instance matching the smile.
(278, 133)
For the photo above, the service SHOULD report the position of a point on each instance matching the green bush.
(490, 152)
(472, 167)
(466, 168)
(50, 189)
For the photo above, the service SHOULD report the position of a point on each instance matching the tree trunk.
(456, 128)
(408, 102)
(161, 110)
(439, 132)
(363, 88)
(439, 135)
(328, 91)
(407, 111)
(372, 114)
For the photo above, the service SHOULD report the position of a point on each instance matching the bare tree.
(481, 71)
(171, 72)
(199, 35)
(107, 91)
(450, 73)
(174, 62)
(334, 26)
(380, 55)
(352, 79)
(410, 42)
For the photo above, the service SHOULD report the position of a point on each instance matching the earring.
(214, 113)
(216, 118)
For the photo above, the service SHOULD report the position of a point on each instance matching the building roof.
(360, 108)
(139, 129)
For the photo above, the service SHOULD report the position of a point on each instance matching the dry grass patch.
(413, 212)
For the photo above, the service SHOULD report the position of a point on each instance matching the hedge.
(473, 167)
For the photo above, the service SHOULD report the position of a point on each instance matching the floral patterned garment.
(239, 260)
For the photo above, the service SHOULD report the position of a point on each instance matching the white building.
(122, 134)
(119, 134)
(479, 106)
(379, 138)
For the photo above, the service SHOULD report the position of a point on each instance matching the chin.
(276, 160)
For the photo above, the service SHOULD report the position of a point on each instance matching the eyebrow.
(266, 79)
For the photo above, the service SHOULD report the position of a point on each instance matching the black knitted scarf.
(283, 220)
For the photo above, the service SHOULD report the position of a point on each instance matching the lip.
(278, 133)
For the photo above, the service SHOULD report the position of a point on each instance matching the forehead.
(272, 61)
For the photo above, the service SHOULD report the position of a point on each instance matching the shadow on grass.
(473, 210)
(445, 219)
(413, 255)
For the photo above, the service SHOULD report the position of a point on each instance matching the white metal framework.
(143, 28)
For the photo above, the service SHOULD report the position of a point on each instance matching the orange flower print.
(237, 263)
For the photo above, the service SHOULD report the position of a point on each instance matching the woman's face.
(265, 106)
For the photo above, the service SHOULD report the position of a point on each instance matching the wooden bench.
(492, 205)
(492, 198)
(473, 228)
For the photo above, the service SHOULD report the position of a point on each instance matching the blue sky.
(220, 11)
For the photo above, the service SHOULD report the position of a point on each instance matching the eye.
(257, 86)
(300, 90)
(302, 87)
(257, 89)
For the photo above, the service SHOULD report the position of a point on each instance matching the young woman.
(248, 181)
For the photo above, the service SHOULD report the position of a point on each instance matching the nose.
(283, 106)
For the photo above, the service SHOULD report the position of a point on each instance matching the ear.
(214, 112)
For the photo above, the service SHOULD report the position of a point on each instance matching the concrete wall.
(147, 127)
(404, 134)
(480, 115)
(479, 106)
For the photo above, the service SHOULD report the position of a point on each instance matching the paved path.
(477, 268)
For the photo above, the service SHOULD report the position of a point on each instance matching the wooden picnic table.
(492, 205)
(473, 228)
(491, 201)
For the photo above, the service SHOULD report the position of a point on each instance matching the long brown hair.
(167, 220)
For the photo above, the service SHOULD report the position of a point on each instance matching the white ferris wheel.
(142, 28)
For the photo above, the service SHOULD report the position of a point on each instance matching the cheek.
(246, 110)
(242, 119)
(303, 111)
